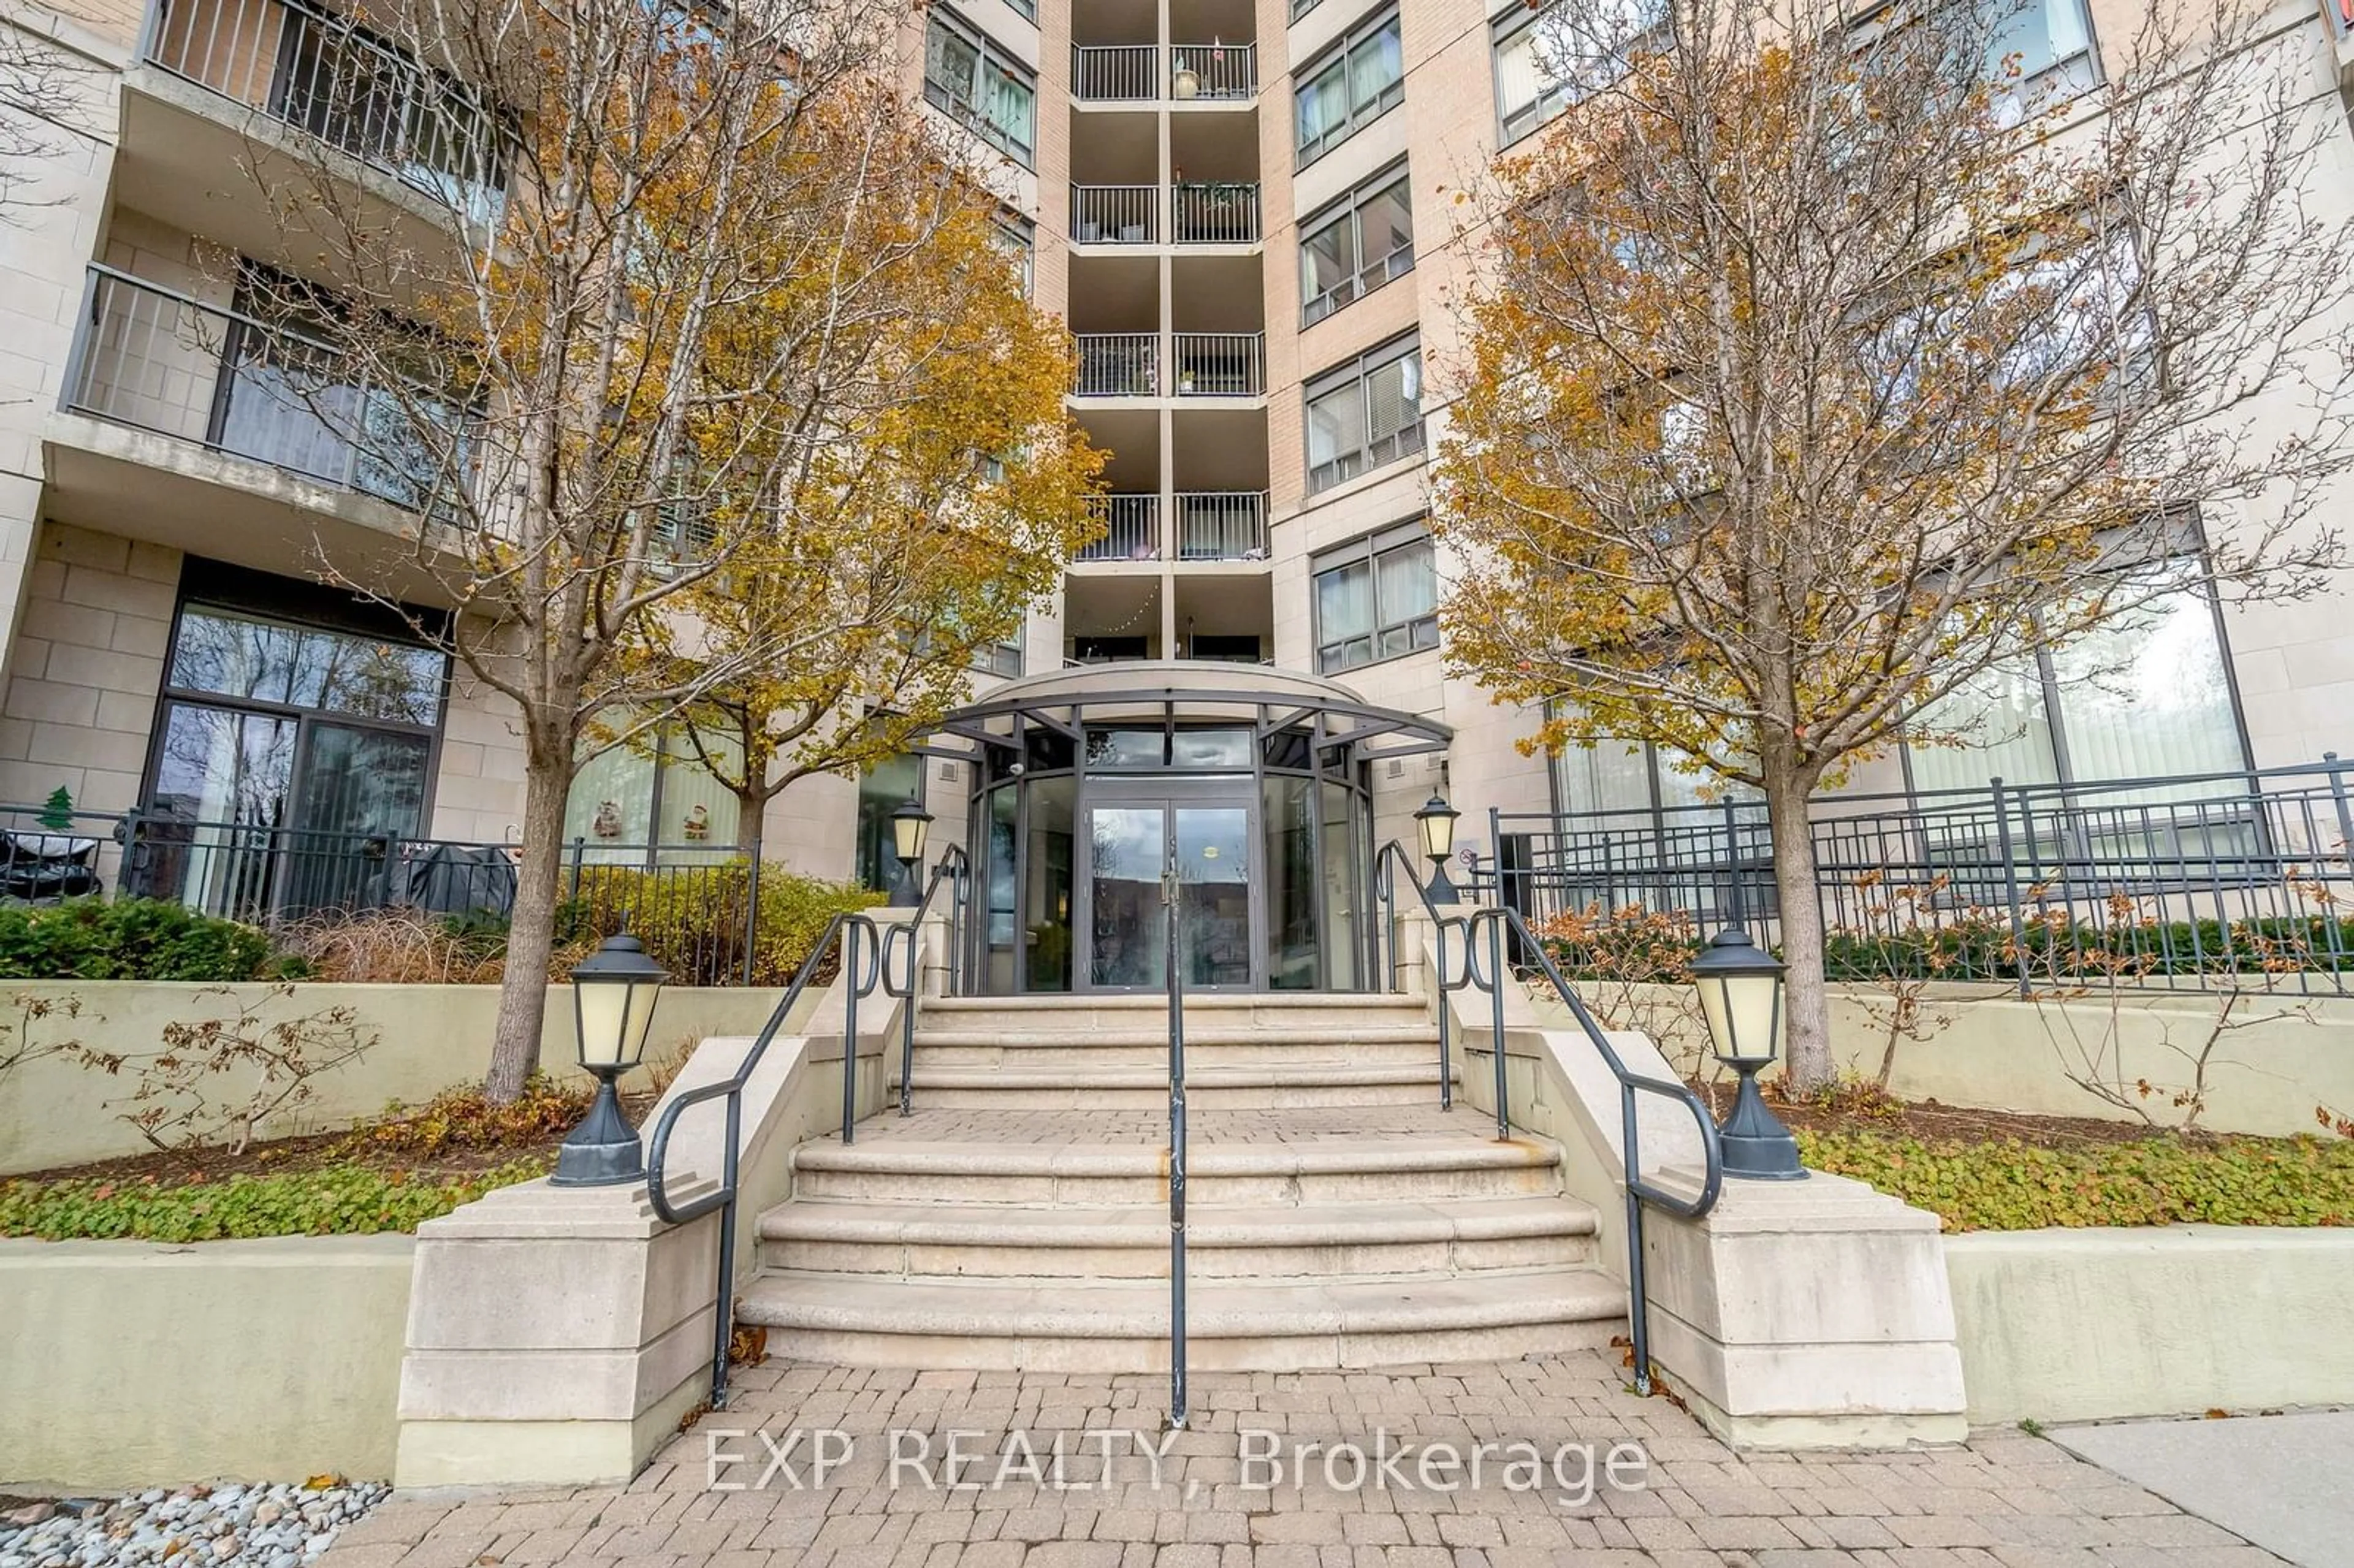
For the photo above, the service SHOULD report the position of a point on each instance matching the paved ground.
(2284, 1481)
(1549, 1493)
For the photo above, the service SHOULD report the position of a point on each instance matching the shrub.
(335, 1200)
(131, 939)
(692, 918)
(1633, 946)
(2009, 1186)
(465, 1118)
(403, 947)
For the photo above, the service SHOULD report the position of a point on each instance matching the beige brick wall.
(85, 668)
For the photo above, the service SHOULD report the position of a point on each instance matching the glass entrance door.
(1130, 844)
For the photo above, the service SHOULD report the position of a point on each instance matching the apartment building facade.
(1244, 209)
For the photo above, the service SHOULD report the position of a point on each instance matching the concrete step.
(1328, 1242)
(1110, 1175)
(1211, 1044)
(1205, 1013)
(1053, 1325)
(1143, 1088)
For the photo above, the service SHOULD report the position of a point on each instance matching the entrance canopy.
(1190, 692)
(1092, 785)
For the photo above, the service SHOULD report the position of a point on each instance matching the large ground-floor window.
(296, 730)
(2147, 696)
(652, 799)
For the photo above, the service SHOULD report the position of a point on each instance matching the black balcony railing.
(165, 361)
(2237, 880)
(326, 75)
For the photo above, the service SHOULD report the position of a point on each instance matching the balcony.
(1215, 212)
(1221, 364)
(1223, 73)
(1119, 365)
(1132, 529)
(1220, 525)
(1115, 73)
(160, 361)
(1114, 215)
(333, 81)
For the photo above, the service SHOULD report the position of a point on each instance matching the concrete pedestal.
(556, 1336)
(1811, 1314)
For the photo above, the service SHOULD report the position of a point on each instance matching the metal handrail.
(1172, 891)
(1385, 890)
(722, 1199)
(1498, 920)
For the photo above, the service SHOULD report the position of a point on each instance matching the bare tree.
(44, 106)
(1817, 369)
(632, 327)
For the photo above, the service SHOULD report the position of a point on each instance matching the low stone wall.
(429, 1037)
(126, 1364)
(2274, 1059)
(2095, 1325)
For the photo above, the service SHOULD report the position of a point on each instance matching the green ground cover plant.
(2005, 1185)
(345, 1200)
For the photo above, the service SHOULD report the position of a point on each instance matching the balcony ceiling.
(116, 480)
(189, 158)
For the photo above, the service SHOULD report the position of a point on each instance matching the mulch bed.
(279, 1155)
(1930, 1121)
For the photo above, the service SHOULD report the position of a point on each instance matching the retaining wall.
(429, 1037)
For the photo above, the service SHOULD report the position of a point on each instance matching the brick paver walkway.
(2006, 1502)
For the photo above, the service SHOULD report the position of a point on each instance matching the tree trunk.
(1807, 1052)
(750, 809)
(531, 931)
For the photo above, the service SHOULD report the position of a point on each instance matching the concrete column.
(1812, 1314)
(556, 1337)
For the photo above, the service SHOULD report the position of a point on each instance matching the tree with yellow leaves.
(900, 548)
(1817, 368)
(666, 292)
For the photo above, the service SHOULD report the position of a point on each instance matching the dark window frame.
(1367, 550)
(1338, 53)
(1350, 209)
(1357, 371)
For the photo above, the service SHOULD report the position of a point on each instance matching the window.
(1376, 599)
(1356, 245)
(999, 659)
(1018, 237)
(1301, 7)
(883, 789)
(295, 730)
(974, 80)
(652, 801)
(1355, 82)
(1364, 414)
(2147, 696)
(2048, 42)
(1549, 60)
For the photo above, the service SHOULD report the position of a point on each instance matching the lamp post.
(1741, 996)
(910, 824)
(1436, 823)
(613, 995)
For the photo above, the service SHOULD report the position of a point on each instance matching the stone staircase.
(1336, 1216)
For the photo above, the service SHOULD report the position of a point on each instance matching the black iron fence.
(699, 905)
(2237, 880)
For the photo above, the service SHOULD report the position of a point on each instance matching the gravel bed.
(284, 1525)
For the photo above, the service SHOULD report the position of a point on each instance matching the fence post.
(1734, 904)
(579, 852)
(2338, 793)
(2011, 883)
(751, 915)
